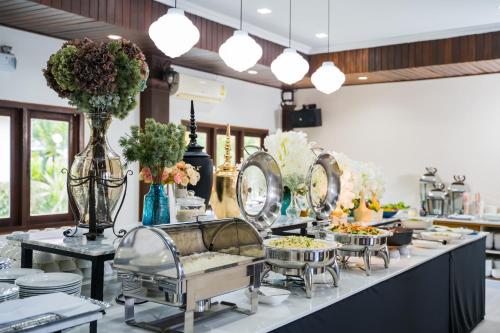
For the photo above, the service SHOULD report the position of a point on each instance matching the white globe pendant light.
(289, 67)
(328, 78)
(173, 33)
(240, 51)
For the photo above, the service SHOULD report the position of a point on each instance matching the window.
(213, 138)
(36, 143)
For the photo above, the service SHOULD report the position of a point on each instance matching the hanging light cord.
(328, 26)
(241, 14)
(290, 26)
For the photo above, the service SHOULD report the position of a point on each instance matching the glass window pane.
(49, 155)
(201, 139)
(5, 167)
(221, 149)
(250, 141)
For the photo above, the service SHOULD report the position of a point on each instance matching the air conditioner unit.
(197, 89)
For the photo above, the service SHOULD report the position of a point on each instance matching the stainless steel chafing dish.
(364, 246)
(259, 191)
(185, 265)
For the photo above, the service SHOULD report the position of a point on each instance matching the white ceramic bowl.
(488, 267)
(496, 241)
(271, 296)
(489, 240)
(495, 273)
(67, 265)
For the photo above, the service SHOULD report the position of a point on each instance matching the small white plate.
(15, 273)
(271, 296)
(495, 273)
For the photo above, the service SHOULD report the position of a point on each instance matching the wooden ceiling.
(96, 19)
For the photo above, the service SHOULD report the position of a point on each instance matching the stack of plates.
(8, 292)
(48, 283)
(12, 274)
(134, 287)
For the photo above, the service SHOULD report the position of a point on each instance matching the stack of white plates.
(8, 292)
(134, 288)
(47, 283)
(12, 274)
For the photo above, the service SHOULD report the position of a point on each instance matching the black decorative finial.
(193, 144)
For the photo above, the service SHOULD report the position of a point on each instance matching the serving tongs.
(441, 241)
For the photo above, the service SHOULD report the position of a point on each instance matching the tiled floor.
(491, 323)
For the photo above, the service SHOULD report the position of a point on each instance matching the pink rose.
(147, 177)
(164, 175)
(177, 178)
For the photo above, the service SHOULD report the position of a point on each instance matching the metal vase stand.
(93, 181)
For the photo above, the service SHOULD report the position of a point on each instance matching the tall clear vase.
(293, 210)
(99, 159)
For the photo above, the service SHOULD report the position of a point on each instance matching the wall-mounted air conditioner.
(197, 89)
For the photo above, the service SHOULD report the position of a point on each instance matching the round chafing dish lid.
(148, 250)
(259, 190)
(323, 182)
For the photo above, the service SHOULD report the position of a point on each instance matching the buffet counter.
(432, 290)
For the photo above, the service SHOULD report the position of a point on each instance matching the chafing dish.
(260, 192)
(185, 265)
(323, 180)
(364, 246)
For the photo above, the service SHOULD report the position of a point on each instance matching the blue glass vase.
(155, 209)
(287, 197)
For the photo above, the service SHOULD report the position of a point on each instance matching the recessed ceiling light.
(264, 11)
(363, 78)
(253, 72)
(114, 37)
(321, 35)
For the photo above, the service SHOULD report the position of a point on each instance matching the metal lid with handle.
(323, 185)
(259, 190)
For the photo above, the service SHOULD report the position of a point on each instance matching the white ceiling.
(354, 23)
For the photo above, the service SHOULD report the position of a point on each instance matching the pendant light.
(173, 33)
(328, 78)
(240, 51)
(289, 67)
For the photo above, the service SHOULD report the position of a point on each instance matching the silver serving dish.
(185, 265)
(323, 180)
(259, 193)
(303, 262)
(364, 246)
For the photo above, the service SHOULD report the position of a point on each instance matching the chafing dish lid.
(259, 190)
(323, 182)
(148, 250)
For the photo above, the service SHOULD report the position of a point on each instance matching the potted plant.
(102, 79)
(157, 148)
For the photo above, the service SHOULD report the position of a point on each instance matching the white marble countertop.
(470, 222)
(56, 240)
(353, 281)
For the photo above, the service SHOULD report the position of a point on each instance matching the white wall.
(27, 84)
(451, 124)
(246, 104)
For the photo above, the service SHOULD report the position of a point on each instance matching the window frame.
(239, 132)
(21, 115)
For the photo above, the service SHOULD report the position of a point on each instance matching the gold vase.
(223, 199)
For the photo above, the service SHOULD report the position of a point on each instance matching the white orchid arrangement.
(293, 153)
(357, 179)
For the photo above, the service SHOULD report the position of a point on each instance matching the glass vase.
(180, 191)
(293, 210)
(156, 206)
(97, 158)
(286, 201)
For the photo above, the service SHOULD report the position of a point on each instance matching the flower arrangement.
(358, 181)
(293, 154)
(181, 174)
(98, 77)
(157, 148)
